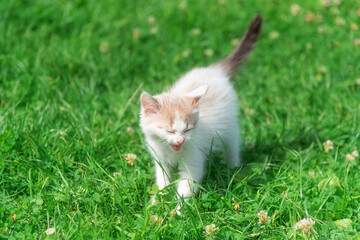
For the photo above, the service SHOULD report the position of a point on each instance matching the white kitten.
(199, 113)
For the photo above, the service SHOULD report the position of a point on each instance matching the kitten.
(198, 114)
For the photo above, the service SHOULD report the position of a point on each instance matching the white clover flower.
(274, 35)
(195, 31)
(154, 30)
(326, 3)
(50, 231)
(182, 6)
(309, 17)
(340, 21)
(295, 9)
(130, 130)
(263, 217)
(236, 205)
(186, 53)
(328, 145)
(235, 42)
(322, 69)
(354, 27)
(334, 10)
(305, 225)
(308, 46)
(154, 219)
(130, 157)
(357, 42)
(210, 229)
(104, 47)
(320, 29)
(208, 52)
(136, 33)
(151, 20)
(352, 156)
(355, 153)
(249, 111)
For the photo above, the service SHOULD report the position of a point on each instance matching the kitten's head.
(171, 119)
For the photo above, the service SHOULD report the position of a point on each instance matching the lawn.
(71, 73)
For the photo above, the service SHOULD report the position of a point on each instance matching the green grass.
(70, 77)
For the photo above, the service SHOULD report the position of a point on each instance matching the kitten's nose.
(180, 141)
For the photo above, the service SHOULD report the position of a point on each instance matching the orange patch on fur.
(169, 106)
(162, 109)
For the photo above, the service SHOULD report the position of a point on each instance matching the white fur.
(217, 124)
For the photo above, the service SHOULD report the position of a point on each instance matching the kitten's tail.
(238, 56)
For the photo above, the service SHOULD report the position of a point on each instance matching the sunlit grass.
(70, 76)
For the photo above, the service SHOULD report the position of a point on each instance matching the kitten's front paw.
(176, 211)
(180, 206)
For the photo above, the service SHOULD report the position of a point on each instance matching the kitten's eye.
(187, 130)
(171, 131)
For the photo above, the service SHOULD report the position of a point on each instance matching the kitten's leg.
(232, 148)
(190, 170)
(163, 174)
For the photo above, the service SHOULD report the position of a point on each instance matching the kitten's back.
(220, 96)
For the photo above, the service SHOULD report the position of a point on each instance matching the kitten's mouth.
(176, 147)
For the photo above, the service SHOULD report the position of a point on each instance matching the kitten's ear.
(197, 94)
(150, 105)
